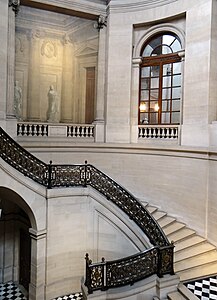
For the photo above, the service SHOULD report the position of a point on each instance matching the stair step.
(176, 226)
(188, 242)
(181, 234)
(198, 272)
(158, 215)
(165, 221)
(193, 251)
(176, 296)
(151, 209)
(195, 261)
(186, 292)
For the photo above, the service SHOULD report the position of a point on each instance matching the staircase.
(194, 256)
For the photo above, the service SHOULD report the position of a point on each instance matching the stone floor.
(204, 289)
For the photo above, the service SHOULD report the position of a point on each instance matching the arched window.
(160, 80)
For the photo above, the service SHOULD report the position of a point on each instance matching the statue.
(53, 105)
(18, 100)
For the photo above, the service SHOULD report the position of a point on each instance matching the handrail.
(51, 176)
(128, 270)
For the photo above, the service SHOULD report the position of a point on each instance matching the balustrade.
(169, 132)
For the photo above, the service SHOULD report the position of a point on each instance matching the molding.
(130, 5)
(15, 5)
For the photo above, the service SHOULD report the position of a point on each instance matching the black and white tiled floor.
(11, 291)
(77, 296)
(204, 289)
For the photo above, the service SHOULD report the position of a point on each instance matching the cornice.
(116, 6)
(81, 8)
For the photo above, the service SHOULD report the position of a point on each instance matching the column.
(134, 100)
(38, 265)
(3, 59)
(11, 57)
(67, 97)
(100, 93)
(33, 103)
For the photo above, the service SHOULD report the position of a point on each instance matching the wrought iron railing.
(128, 270)
(51, 176)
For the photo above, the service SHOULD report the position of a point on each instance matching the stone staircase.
(194, 256)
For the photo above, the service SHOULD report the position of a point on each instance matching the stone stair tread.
(180, 234)
(151, 209)
(186, 292)
(189, 242)
(193, 251)
(175, 296)
(198, 272)
(195, 261)
(166, 220)
(158, 214)
(173, 227)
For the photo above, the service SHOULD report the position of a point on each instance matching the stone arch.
(154, 30)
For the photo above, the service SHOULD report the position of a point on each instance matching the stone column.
(14, 5)
(3, 60)
(33, 103)
(38, 265)
(67, 101)
(100, 93)
(134, 100)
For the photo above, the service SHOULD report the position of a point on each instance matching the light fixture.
(142, 107)
(156, 107)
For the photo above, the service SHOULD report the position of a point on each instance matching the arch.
(6, 193)
(155, 30)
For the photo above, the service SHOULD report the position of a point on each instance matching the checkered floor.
(77, 296)
(204, 289)
(11, 291)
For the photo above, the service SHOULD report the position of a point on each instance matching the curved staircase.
(194, 256)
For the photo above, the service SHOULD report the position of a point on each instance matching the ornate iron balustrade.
(22, 160)
(128, 270)
(117, 272)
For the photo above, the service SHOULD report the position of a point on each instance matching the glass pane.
(145, 72)
(166, 105)
(176, 46)
(144, 106)
(176, 105)
(155, 71)
(147, 51)
(166, 93)
(155, 82)
(177, 80)
(167, 69)
(177, 68)
(166, 81)
(165, 118)
(166, 49)
(154, 107)
(143, 118)
(153, 118)
(145, 83)
(168, 39)
(175, 117)
(145, 95)
(154, 94)
(176, 92)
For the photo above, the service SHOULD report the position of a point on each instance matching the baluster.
(40, 130)
(25, 131)
(20, 131)
(172, 133)
(34, 130)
